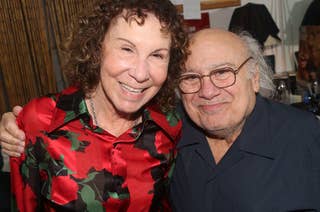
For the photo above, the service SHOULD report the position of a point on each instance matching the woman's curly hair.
(84, 46)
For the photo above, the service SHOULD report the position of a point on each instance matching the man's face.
(220, 111)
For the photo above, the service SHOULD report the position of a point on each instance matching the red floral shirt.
(71, 165)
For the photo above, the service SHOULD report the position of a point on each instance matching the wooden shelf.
(213, 4)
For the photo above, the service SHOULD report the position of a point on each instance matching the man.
(239, 151)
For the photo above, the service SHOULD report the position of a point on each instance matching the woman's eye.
(160, 56)
(126, 49)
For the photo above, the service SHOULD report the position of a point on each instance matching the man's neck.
(219, 145)
(218, 149)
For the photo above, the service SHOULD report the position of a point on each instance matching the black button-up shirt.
(274, 165)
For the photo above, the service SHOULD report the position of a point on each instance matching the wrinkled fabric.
(71, 165)
(272, 166)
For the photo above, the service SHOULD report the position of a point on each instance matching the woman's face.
(134, 63)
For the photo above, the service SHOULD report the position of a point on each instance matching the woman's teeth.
(134, 90)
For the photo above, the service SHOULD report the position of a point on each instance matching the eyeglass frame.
(200, 76)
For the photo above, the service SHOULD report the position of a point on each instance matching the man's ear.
(255, 79)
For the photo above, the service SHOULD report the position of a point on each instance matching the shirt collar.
(191, 133)
(255, 136)
(71, 105)
(169, 122)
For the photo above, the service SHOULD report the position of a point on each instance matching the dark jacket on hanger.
(312, 15)
(256, 19)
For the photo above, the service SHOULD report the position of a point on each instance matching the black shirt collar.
(255, 136)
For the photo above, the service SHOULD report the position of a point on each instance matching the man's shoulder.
(294, 126)
(290, 115)
(277, 111)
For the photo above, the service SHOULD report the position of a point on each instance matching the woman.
(107, 143)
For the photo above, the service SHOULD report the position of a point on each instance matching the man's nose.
(208, 89)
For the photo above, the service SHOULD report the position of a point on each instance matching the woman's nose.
(140, 72)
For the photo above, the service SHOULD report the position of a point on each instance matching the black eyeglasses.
(221, 78)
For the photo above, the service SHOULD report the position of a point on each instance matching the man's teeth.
(134, 90)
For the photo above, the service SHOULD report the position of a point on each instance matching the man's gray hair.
(254, 50)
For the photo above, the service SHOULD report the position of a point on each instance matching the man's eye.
(222, 73)
(190, 77)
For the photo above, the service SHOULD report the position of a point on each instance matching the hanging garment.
(256, 19)
(312, 15)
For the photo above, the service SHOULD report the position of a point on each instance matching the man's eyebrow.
(189, 71)
(222, 65)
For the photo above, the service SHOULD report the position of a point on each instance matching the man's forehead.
(221, 50)
(210, 65)
(216, 43)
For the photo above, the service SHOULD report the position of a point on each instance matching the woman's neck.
(108, 118)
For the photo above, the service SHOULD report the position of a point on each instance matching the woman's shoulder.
(38, 112)
(42, 109)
